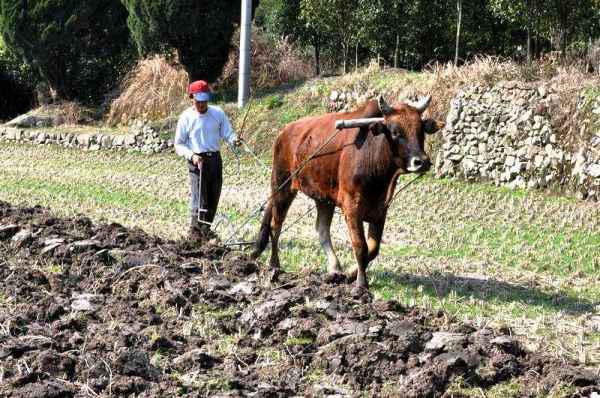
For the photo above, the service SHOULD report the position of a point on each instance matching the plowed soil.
(100, 310)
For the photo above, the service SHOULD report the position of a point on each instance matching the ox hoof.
(335, 278)
(272, 275)
(351, 276)
(360, 292)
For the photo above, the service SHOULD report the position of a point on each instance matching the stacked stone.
(141, 137)
(344, 101)
(504, 134)
(586, 172)
(148, 139)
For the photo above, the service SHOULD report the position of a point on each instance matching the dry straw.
(273, 63)
(155, 89)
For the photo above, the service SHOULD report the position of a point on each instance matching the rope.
(297, 220)
(233, 148)
(255, 156)
(292, 175)
(403, 188)
(246, 116)
(311, 208)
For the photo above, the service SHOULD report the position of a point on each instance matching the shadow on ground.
(441, 284)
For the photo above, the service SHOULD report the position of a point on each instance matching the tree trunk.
(529, 58)
(458, 26)
(345, 57)
(563, 42)
(529, 29)
(588, 60)
(396, 50)
(57, 85)
(317, 48)
(356, 57)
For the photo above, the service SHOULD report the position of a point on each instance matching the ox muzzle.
(418, 164)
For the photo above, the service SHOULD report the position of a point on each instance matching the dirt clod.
(102, 310)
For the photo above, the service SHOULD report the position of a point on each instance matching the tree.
(570, 20)
(333, 19)
(199, 30)
(559, 22)
(281, 19)
(80, 47)
(14, 80)
(429, 34)
(523, 12)
(391, 24)
(378, 26)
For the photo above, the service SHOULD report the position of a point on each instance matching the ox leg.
(281, 204)
(361, 251)
(324, 216)
(373, 244)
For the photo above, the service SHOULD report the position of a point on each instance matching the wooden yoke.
(352, 123)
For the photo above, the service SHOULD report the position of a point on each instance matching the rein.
(390, 196)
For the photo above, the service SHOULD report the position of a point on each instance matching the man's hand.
(237, 142)
(196, 160)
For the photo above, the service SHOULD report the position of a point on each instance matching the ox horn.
(352, 123)
(421, 105)
(383, 105)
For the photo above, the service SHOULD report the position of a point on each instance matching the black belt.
(208, 154)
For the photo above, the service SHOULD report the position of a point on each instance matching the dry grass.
(72, 113)
(567, 80)
(443, 81)
(155, 89)
(65, 113)
(273, 64)
(569, 116)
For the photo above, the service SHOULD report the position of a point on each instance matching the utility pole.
(458, 26)
(245, 36)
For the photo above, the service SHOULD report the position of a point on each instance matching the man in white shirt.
(200, 131)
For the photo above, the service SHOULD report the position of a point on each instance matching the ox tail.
(265, 232)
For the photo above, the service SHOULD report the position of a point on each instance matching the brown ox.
(355, 171)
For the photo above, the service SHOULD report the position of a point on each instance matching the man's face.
(201, 106)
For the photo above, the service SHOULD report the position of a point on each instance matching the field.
(466, 258)
(523, 262)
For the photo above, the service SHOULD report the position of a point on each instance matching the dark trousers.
(207, 197)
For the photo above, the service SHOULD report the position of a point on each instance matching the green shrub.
(80, 47)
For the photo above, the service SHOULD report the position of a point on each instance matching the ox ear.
(383, 106)
(431, 126)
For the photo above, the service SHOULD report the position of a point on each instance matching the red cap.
(199, 86)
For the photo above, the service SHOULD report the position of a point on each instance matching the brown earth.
(88, 310)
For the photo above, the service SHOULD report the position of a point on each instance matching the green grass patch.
(94, 194)
(299, 341)
(484, 254)
(53, 269)
(215, 312)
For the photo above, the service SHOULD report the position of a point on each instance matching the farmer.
(200, 130)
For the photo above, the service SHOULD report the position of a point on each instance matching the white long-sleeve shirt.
(197, 132)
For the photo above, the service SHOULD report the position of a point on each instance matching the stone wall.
(141, 137)
(505, 134)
